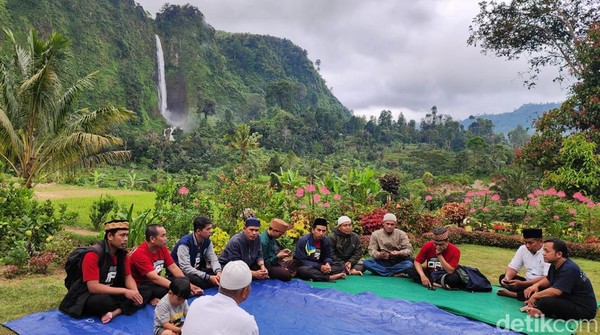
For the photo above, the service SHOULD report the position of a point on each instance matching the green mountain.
(237, 75)
(505, 122)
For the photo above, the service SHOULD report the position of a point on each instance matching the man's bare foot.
(506, 293)
(154, 301)
(400, 274)
(536, 313)
(106, 318)
(337, 276)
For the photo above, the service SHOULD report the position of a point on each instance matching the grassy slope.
(19, 297)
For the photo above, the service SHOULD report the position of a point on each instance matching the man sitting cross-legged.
(530, 255)
(148, 261)
(313, 252)
(390, 248)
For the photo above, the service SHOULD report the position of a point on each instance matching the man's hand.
(384, 254)
(196, 290)
(347, 267)
(215, 279)
(425, 282)
(396, 253)
(326, 268)
(439, 249)
(260, 274)
(530, 291)
(283, 253)
(134, 296)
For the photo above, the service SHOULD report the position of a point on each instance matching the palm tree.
(242, 140)
(40, 131)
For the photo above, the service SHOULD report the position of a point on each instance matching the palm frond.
(63, 105)
(101, 119)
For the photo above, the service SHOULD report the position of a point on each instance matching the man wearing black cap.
(530, 255)
(314, 254)
(107, 288)
(245, 246)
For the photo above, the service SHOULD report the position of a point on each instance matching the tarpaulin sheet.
(287, 308)
(487, 307)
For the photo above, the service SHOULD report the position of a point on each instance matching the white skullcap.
(389, 217)
(343, 219)
(236, 275)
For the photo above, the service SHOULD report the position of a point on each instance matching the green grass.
(79, 199)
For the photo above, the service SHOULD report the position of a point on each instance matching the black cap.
(532, 233)
(319, 222)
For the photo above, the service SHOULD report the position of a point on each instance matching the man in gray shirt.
(194, 251)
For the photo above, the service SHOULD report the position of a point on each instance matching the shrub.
(39, 263)
(454, 213)
(101, 208)
(372, 221)
(219, 239)
(11, 271)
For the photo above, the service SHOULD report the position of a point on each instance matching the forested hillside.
(523, 116)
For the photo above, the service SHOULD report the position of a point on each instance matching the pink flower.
(472, 210)
(527, 218)
(495, 197)
(561, 194)
(538, 192)
(531, 196)
(534, 202)
(428, 198)
(468, 200)
(572, 211)
(183, 190)
(310, 188)
(303, 206)
(485, 209)
(470, 194)
(480, 193)
(316, 198)
(324, 190)
(577, 195)
(591, 204)
(337, 197)
(520, 201)
(299, 192)
(550, 191)
(572, 223)
(326, 205)
(555, 217)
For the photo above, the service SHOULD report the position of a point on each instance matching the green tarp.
(486, 307)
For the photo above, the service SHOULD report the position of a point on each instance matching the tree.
(545, 31)
(518, 136)
(40, 130)
(243, 141)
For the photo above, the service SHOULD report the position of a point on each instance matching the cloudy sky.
(402, 56)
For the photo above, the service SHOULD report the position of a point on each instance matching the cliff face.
(241, 74)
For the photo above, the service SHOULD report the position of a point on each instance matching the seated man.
(194, 251)
(107, 288)
(221, 313)
(390, 248)
(149, 259)
(275, 257)
(245, 246)
(529, 255)
(346, 247)
(313, 253)
(566, 293)
(441, 258)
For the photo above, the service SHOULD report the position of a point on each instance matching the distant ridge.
(524, 116)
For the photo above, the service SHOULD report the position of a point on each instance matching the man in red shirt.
(111, 288)
(148, 261)
(441, 258)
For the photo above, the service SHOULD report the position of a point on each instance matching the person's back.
(221, 314)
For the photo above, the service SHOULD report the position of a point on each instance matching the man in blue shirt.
(566, 293)
(314, 254)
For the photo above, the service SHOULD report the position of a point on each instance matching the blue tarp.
(287, 308)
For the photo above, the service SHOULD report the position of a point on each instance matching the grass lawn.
(79, 199)
(34, 293)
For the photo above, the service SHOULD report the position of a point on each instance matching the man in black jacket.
(345, 244)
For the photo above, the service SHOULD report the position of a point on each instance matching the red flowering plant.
(373, 220)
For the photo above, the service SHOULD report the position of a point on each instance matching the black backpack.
(74, 260)
(473, 280)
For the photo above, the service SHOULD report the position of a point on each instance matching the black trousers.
(100, 304)
(520, 293)
(452, 279)
(560, 308)
(311, 273)
(151, 291)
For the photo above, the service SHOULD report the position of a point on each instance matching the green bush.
(101, 208)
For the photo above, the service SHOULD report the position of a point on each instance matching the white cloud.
(402, 56)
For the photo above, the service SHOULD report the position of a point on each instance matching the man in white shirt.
(221, 314)
(530, 256)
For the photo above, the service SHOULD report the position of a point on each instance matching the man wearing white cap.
(221, 313)
(390, 248)
(346, 247)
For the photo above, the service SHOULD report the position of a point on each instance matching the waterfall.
(162, 89)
